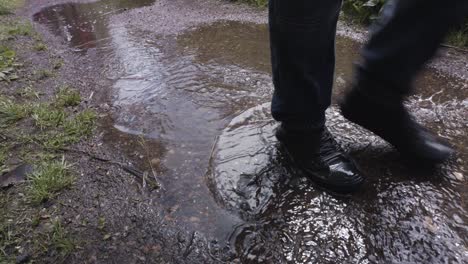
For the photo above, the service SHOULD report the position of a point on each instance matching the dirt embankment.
(78, 200)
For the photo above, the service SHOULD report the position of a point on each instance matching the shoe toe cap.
(429, 148)
(346, 176)
(438, 150)
(346, 172)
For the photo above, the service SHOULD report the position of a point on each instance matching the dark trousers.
(302, 35)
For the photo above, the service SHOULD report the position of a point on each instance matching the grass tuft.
(11, 112)
(4, 151)
(458, 38)
(48, 179)
(7, 64)
(43, 74)
(45, 117)
(259, 3)
(72, 131)
(60, 240)
(7, 235)
(67, 97)
(20, 29)
(40, 47)
(55, 140)
(82, 125)
(7, 6)
(28, 92)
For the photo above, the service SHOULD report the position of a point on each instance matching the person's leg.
(302, 35)
(404, 39)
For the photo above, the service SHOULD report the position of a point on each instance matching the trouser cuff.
(379, 90)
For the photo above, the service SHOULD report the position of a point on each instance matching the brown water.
(204, 94)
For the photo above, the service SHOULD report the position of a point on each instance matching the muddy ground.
(183, 167)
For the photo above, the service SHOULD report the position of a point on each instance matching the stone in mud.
(17, 175)
(24, 258)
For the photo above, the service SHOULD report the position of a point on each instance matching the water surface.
(203, 95)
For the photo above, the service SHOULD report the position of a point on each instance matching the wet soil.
(184, 88)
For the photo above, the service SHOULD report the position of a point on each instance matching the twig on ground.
(454, 47)
(134, 171)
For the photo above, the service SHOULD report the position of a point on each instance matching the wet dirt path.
(195, 79)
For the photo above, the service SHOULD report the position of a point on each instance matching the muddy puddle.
(201, 97)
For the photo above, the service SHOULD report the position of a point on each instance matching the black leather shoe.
(320, 158)
(393, 123)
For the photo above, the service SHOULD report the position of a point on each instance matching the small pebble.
(458, 176)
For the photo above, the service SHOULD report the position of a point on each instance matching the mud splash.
(210, 85)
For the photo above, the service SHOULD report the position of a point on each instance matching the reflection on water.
(83, 25)
(185, 92)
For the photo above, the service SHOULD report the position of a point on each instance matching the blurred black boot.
(403, 39)
(385, 115)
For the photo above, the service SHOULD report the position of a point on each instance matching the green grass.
(4, 151)
(7, 6)
(40, 47)
(458, 38)
(53, 238)
(43, 74)
(11, 29)
(45, 117)
(21, 29)
(17, 28)
(11, 112)
(67, 97)
(28, 92)
(7, 238)
(71, 131)
(8, 64)
(61, 241)
(58, 128)
(50, 116)
(48, 179)
(259, 3)
(54, 141)
(3, 154)
(56, 240)
(30, 121)
(81, 125)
